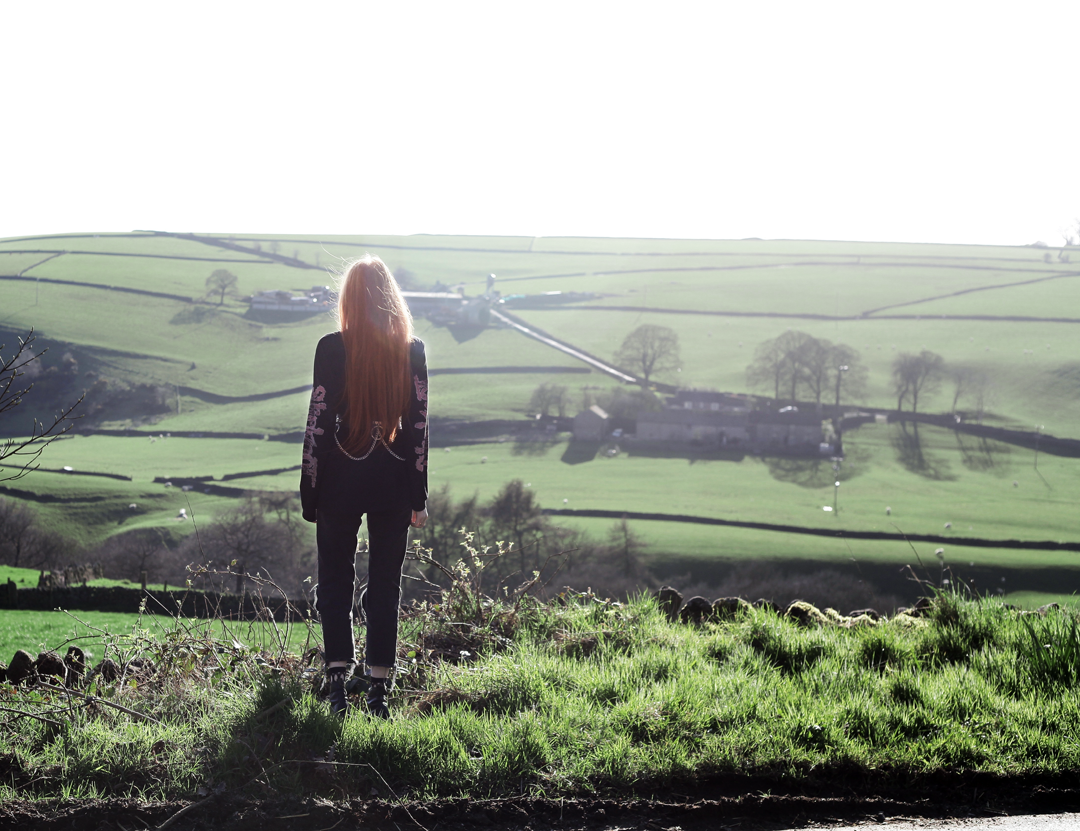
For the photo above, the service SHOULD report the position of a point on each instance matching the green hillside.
(125, 310)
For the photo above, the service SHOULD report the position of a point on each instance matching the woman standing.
(365, 453)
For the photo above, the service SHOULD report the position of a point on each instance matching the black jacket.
(380, 477)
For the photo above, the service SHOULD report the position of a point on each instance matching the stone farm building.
(697, 426)
(786, 429)
(437, 303)
(591, 424)
(717, 402)
(315, 299)
(712, 421)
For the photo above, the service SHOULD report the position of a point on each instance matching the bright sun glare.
(837, 120)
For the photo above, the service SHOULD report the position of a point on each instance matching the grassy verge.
(576, 697)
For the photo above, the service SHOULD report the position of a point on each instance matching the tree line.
(521, 542)
(264, 537)
(796, 366)
(796, 363)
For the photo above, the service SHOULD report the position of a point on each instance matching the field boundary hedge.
(145, 292)
(974, 542)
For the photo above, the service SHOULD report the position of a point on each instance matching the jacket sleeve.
(418, 422)
(317, 436)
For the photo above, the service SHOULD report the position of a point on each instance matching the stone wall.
(183, 602)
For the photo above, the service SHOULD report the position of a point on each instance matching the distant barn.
(438, 303)
(591, 424)
(698, 426)
(717, 402)
(317, 299)
(787, 428)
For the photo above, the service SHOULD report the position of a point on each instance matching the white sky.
(908, 121)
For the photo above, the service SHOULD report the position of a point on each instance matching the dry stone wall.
(179, 602)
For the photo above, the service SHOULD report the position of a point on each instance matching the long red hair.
(377, 329)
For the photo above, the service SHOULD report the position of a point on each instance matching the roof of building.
(432, 295)
(596, 410)
(787, 416)
(703, 418)
(707, 395)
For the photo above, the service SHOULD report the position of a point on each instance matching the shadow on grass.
(915, 458)
(692, 453)
(806, 473)
(193, 314)
(534, 446)
(285, 723)
(577, 452)
(980, 454)
(817, 471)
(463, 332)
(272, 316)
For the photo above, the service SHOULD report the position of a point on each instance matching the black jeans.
(388, 537)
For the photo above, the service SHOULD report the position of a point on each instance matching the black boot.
(335, 684)
(376, 697)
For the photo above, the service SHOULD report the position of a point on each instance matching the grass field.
(774, 281)
(22, 577)
(105, 634)
(722, 297)
(35, 631)
(958, 481)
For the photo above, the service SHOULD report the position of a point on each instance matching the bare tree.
(128, 556)
(546, 396)
(847, 370)
(973, 385)
(984, 393)
(626, 547)
(516, 517)
(815, 359)
(564, 554)
(23, 452)
(221, 281)
(446, 519)
(24, 543)
(1072, 234)
(962, 378)
(649, 350)
(915, 375)
(259, 537)
(17, 523)
(769, 366)
(796, 360)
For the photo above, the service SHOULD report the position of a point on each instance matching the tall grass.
(581, 696)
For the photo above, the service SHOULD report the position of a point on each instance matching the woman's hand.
(419, 518)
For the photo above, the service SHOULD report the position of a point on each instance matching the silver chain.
(376, 440)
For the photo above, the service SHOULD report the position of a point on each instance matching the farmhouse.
(717, 402)
(690, 425)
(787, 428)
(286, 301)
(315, 299)
(437, 303)
(591, 424)
(547, 298)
